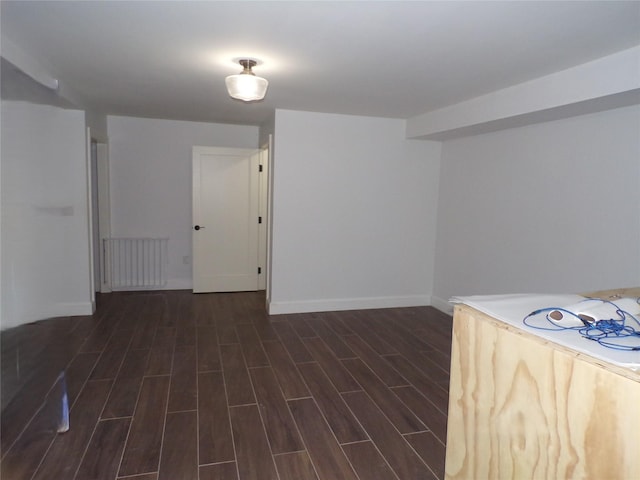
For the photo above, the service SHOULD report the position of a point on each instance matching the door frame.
(267, 149)
(98, 184)
(104, 214)
(263, 211)
(264, 228)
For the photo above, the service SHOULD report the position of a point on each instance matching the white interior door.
(225, 219)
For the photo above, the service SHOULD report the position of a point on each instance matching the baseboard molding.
(442, 305)
(330, 305)
(69, 309)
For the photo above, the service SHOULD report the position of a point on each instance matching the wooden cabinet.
(522, 407)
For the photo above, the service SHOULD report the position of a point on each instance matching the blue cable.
(600, 331)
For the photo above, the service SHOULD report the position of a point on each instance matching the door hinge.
(259, 270)
(259, 168)
(259, 219)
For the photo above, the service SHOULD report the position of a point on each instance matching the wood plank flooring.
(171, 385)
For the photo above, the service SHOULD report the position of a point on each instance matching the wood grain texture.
(334, 320)
(98, 338)
(65, 454)
(149, 346)
(394, 448)
(32, 443)
(360, 322)
(380, 366)
(338, 374)
(285, 371)
(200, 310)
(324, 450)
(298, 323)
(124, 394)
(236, 376)
(214, 430)
(281, 430)
(185, 336)
(146, 476)
(165, 337)
(368, 462)
(179, 458)
(263, 327)
(251, 346)
(292, 342)
(104, 452)
(436, 393)
(219, 471)
(633, 292)
(331, 339)
(123, 397)
(434, 419)
(435, 356)
(430, 449)
(295, 466)
(141, 339)
(522, 407)
(226, 332)
(183, 391)
(77, 374)
(160, 359)
(393, 408)
(112, 357)
(208, 349)
(253, 455)
(340, 419)
(142, 452)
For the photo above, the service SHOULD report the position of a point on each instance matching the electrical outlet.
(186, 260)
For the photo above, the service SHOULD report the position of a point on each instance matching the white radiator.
(135, 263)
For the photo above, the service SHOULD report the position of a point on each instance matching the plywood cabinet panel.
(521, 407)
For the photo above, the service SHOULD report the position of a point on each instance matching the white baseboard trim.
(442, 305)
(70, 309)
(330, 305)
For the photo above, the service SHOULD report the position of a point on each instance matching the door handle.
(197, 227)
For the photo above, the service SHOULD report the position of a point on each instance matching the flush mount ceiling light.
(246, 86)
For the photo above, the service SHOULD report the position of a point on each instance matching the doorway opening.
(99, 213)
(230, 219)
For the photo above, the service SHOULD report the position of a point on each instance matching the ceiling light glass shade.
(246, 86)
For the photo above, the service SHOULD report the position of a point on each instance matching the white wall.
(45, 240)
(552, 207)
(354, 213)
(267, 128)
(150, 164)
(606, 83)
(97, 123)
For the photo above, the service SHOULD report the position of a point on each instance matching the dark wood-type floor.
(172, 385)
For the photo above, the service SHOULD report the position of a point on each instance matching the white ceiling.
(168, 59)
